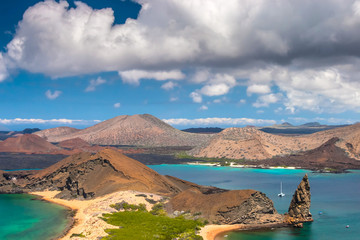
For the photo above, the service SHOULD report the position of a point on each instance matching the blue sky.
(191, 63)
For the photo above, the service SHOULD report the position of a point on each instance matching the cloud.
(218, 121)
(258, 89)
(215, 89)
(196, 97)
(117, 105)
(184, 33)
(134, 76)
(255, 42)
(45, 121)
(3, 69)
(94, 83)
(174, 99)
(203, 108)
(169, 86)
(52, 95)
(266, 100)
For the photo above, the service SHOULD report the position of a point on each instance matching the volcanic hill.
(27, 143)
(50, 133)
(88, 175)
(139, 130)
(253, 144)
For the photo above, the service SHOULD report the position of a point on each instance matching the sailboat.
(281, 194)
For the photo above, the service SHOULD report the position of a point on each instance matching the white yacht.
(281, 194)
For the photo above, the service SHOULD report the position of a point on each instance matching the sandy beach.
(87, 221)
(214, 232)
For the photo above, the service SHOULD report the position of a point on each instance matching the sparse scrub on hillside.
(222, 161)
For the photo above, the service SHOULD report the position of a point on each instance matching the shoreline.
(233, 165)
(216, 232)
(86, 220)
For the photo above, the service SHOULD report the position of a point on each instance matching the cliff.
(228, 207)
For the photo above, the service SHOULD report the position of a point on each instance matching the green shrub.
(146, 226)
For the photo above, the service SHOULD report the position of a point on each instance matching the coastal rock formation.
(228, 207)
(139, 130)
(299, 209)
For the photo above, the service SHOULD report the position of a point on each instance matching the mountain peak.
(139, 130)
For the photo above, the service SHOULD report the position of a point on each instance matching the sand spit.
(87, 221)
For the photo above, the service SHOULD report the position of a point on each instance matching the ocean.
(23, 218)
(335, 198)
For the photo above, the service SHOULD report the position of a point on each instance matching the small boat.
(347, 226)
(281, 194)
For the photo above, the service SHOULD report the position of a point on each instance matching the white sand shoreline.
(87, 221)
(234, 165)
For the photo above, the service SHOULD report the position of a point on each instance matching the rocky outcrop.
(299, 209)
(228, 207)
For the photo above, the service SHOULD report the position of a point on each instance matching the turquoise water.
(23, 218)
(337, 196)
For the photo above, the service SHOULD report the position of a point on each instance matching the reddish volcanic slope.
(74, 143)
(90, 175)
(141, 130)
(27, 143)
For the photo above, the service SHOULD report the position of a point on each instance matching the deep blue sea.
(336, 196)
(23, 218)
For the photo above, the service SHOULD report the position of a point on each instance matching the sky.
(193, 63)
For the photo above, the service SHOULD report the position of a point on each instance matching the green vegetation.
(125, 206)
(77, 235)
(134, 223)
(221, 161)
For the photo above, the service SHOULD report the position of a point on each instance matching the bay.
(335, 197)
(23, 218)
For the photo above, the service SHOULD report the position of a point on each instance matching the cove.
(24, 217)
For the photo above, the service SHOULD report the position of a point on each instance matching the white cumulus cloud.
(203, 108)
(169, 85)
(94, 83)
(47, 121)
(281, 44)
(219, 121)
(3, 69)
(134, 76)
(52, 95)
(258, 89)
(117, 105)
(196, 97)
